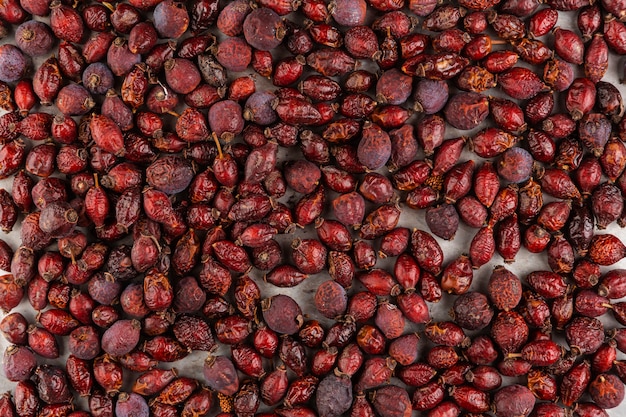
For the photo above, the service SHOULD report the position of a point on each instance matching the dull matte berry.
(121, 337)
(234, 54)
(19, 363)
(182, 75)
(98, 78)
(514, 401)
(13, 63)
(607, 390)
(259, 108)
(443, 221)
(515, 165)
(392, 401)
(264, 29)
(131, 405)
(333, 395)
(466, 110)
(374, 147)
(171, 19)
(331, 299)
(34, 38)
(282, 314)
(220, 375)
(74, 100)
(52, 384)
(302, 176)
(472, 311)
(226, 119)
(348, 12)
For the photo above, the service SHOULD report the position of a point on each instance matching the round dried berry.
(430, 96)
(171, 19)
(331, 299)
(34, 38)
(226, 119)
(121, 337)
(348, 12)
(466, 110)
(472, 311)
(515, 165)
(585, 334)
(264, 29)
(303, 176)
(131, 405)
(234, 54)
(13, 63)
(98, 78)
(513, 401)
(182, 75)
(374, 147)
(443, 221)
(282, 314)
(607, 390)
(259, 108)
(334, 395)
(19, 362)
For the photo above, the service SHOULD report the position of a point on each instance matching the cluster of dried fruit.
(160, 177)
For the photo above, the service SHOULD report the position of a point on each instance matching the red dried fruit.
(596, 61)
(331, 299)
(445, 333)
(392, 401)
(19, 363)
(472, 311)
(607, 390)
(606, 249)
(428, 396)
(333, 395)
(282, 314)
(483, 377)
(514, 401)
(520, 83)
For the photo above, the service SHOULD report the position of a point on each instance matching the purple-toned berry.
(13, 63)
(34, 38)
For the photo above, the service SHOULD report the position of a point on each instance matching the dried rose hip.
(472, 311)
(331, 299)
(607, 391)
(114, 344)
(333, 395)
(282, 314)
(514, 401)
(220, 375)
(392, 401)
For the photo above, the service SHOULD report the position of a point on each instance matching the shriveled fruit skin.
(472, 311)
(121, 338)
(263, 29)
(333, 396)
(443, 221)
(19, 363)
(607, 390)
(514, 401)
(107, 134)
(374, 148)
(221, 375)
(392, 401)
(171, 19)
(15, 63)
(282, 314)
(520, 83)
(466, 110)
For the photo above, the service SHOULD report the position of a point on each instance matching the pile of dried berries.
(154, 186)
